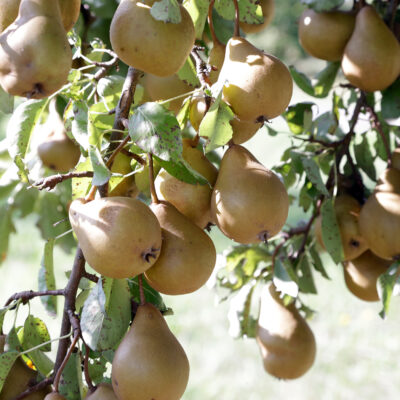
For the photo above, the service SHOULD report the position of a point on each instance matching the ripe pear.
(286, 342)
(396, 158)
(125, 186)
(256, 85)
(147, 44)
(149, 363)
(216, 60)
(347, 210)
(187, 256)
(103, 391)
(164, 88)
(249, 203)
(56, 150)
(35, 56)
(268, 11)
(193, 201)
(371, 59)
(324, 35)
(380, 217)
(55, 396)
(120, 237)
(361, 275)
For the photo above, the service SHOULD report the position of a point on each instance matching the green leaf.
(81, 186)
(99, 121)
(249, 10)
(323, 5)
(6, 102)
(19, 131)
(285, 279)
(34, 333)
(47, 279)
(385, 286)
(298, 117)
(306, 280)
(167, 11)
(6, 228)
(71, 384)
(77, 114)
(313, 174)
(390, 103)
(6, 362)
(152, 296)
(188, 73)
(330, 231)
(198, 10)
(316, 261)
(364, 157)
(101, 174)
(109, 89)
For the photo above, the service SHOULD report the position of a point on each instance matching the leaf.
(34, 333)
(19, 130)
(385, 286)
(101, 174)
(306, 280)
(167, 11)
(93, 314)
(71, 384)
(81, 186)
(330, 231)
(285, 279)
(77, 112)
(323, 5)
(47, 279)
(198, 10)
(297, 116)
(390, 103)
(99, 120)
(6, 362)
(364, 157)
(313, 174)
(109, 89)
(316, 261)
(188, 73)
(6, 102)
(6, 228)
(152, 296)
(249, 10)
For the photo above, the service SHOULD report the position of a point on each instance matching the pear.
(149, 363)
(256, 85)
(249, 203)
(164, 88)
(216, 59)
(371, 59)
(268, 11)
(147, 44)
(187, 256)
(142, 178)
(347, 210)
(286, 342)
(396, 158)
(120, 237)
(193, 201)
(379, 220)
(361, 275)
(103, 391)
(56, 150)
(125, 186)
(324, 35)
(55, 396)
(35, 56)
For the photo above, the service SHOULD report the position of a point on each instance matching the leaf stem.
(154, 197)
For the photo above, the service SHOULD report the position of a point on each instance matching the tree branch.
(50, 182)
(30, 294)
(35, 388)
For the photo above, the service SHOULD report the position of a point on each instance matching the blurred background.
(357, 352)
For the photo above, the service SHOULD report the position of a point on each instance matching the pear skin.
(396, 158)
(187, 256)
(286, 342)
(55, 396)
(142, 178)
(268, 11)
(371, 59)
(125, 186)
(216, 60)
(249, 203)
(325, 35)
(149, 363)
(193, 201)
(257, 86)
(362, 273)
(120, 237)
(8, 13)
(103, 391)
(35, 56)
(149, 45)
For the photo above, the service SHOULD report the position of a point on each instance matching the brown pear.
(120, 237)
(216, 60)
(56, 150)
(380, 217)
(187, 256)
(122, 186)
(286, 342)
(249, 203)
(55, 396)
(257, 86)
(361, 275)
(193, 201)
(396, 158)
(147, 44)
(371, 59)
(35, 56)
(268, 11)
(347, 210)
(324, 35)
(103, 391)
(149, 363)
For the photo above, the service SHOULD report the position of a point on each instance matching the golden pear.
(35, 56)
(256, 85)
(216, 60)
(347, 210)
(286, 342)
(396, 158)
(149, 45)
(187, 256)
(120, 237)
(193, 201)
(125, 186)
(164, 88)
(361, 275)
(56, 150)
(379, 220)
(268, 11)
(149, 363)
(249, 202)
(371, 59)
(103, 391)
(324, 35)
(55, 396)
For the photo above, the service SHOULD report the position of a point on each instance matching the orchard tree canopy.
(124, 130)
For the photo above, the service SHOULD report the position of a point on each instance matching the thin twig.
(86, 367)
(154, 197)
(237, 16)
(215, 40)
(35, 388)
(202, 68)
(50, 182)
(30, 294)
(134, 156)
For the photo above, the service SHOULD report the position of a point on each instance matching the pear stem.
(237, 29)
(215, 40)
(141, 291)
(86, 368)
(154, 197)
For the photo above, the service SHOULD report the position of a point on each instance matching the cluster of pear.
(369, 50)
(35, 56)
